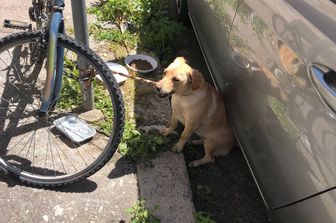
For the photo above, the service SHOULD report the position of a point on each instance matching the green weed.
(139, 146)
(160, 35)
(119, 12)
(202, 217)
(104, 104)
(70, 96)
(140, 23)
(142, 215)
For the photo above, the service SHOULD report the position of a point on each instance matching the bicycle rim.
(54, 150)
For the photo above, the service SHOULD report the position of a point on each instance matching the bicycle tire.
(58, 178)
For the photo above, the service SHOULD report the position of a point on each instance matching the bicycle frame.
(55, 58)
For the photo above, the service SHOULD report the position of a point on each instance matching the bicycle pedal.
(13, 24)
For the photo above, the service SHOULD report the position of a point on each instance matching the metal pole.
(82, 36)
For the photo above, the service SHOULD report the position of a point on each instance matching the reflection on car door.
(286, 126)
(212, 21)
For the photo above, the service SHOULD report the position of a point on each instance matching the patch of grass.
(124, 38)
(160, 35)
(120, 12)
(129, 95)
(140, 214)
(70, 93)
(139, 23)
(202, 217)
(139, 146)
(104, 104)
(119, 51)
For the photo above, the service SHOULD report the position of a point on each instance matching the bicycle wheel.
(35, 148)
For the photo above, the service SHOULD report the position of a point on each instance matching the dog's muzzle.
(164, 95)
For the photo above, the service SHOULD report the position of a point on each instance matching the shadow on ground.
(84, 186)
(122, 168)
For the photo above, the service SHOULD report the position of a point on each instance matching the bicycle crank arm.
(13, 24)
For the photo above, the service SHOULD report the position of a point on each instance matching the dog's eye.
(176, 79)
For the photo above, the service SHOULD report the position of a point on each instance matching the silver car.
(275, 61)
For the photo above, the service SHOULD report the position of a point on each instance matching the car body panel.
(286, 130)
(212, 22)
(319, 208)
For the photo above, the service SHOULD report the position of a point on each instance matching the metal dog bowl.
(141, 57)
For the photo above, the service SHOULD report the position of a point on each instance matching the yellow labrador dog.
(199, 107)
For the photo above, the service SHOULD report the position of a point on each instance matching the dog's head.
(179, 78)
(289, 59)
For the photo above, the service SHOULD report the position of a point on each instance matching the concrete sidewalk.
(105, 196)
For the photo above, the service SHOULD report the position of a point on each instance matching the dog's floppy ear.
(180, 60)
(196, 78)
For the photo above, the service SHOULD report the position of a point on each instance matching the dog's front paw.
(165, 131)
(177, 148)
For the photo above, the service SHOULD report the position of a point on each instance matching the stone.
(94, 115)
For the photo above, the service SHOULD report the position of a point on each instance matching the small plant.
(104, 104)
(126, 38)
(70, 87)
(202, 217)
(140, 23)
(138, 146)
(160, 35)
(142, 215)
(119, 12)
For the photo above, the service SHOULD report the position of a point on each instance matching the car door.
(282, 100)
(212, 21)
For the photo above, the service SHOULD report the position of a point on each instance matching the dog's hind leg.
(197, 142)
(209, 148)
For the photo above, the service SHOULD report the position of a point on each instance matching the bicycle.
(49, 83)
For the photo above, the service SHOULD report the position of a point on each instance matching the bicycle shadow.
(84, 186)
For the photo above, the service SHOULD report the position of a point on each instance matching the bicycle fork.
(55, 59)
